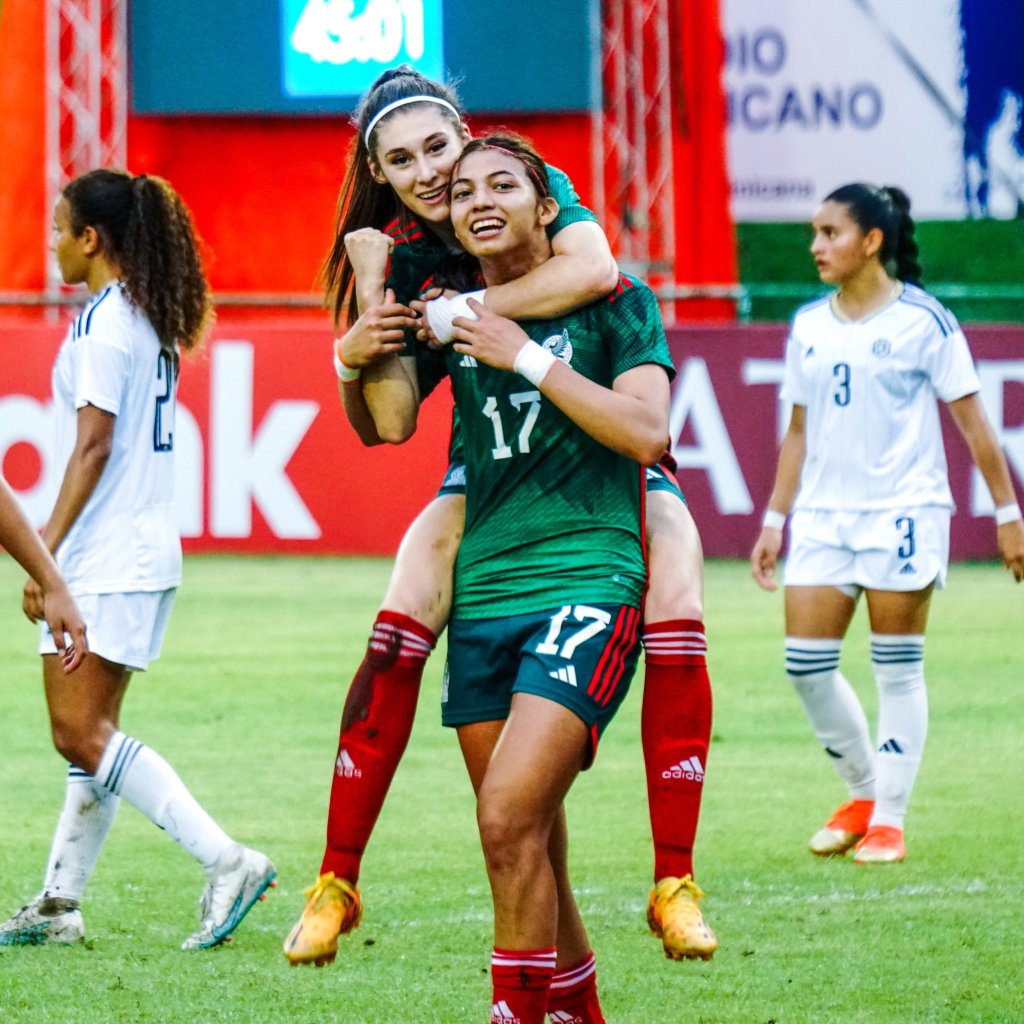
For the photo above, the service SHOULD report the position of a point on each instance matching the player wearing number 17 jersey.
(114, 533)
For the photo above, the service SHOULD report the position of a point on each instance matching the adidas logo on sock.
(501, 1013)
(564, 1017)
(346, 767)
(890, 747)
(690, 769)
(908, 569)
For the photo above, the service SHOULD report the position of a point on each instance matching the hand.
(765, 556)
(32, 601)
(422, 306)
(65, 621)
(1011, 547)
(378, 332)
(368, 253)
(490, 339)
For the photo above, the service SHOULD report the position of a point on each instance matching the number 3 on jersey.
(528, 399)
(163, 415)
(841, 394)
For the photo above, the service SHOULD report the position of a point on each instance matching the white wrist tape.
(773, 520)
(441, 312)
(346, 374)
(1008, 514)
(533, 362)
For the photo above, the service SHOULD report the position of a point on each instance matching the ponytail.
(888, 209)
(145, 228)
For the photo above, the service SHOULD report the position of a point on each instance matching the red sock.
(573, 997)
(522, 979)
(375, 727)
(675, 730)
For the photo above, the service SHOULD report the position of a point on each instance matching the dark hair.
(888, 209)
(145, 228)
(461, 271)
(514, 145)
(364, 202)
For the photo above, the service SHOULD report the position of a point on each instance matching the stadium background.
(642, 104)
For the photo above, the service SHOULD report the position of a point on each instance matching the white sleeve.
(102, 370)
(948, 363)
(794, 386)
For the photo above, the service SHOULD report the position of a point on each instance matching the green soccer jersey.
(552, 515)
(417, 251)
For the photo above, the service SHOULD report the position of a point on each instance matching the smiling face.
(415, 149)
(495, 206)
(841, 250)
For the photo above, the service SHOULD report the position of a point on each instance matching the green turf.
(245, 704)
(978, 254)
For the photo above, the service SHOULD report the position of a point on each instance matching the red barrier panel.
(266, 462)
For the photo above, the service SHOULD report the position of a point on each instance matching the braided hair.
(888, 209)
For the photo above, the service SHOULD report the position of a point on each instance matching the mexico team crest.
(559, 345)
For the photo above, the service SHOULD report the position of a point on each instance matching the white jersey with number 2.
(873, 438)
(126, 537)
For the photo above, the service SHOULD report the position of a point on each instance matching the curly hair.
(145, 228)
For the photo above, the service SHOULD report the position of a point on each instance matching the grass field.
(245, 704)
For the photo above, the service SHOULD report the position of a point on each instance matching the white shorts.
(892, 550)
(127, 629)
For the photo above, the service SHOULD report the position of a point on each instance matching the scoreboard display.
(260, 57)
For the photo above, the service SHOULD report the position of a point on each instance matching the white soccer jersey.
(126, 537)
(870, 387)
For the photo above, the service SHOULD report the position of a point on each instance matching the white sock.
(143, 778)
(898, 664)
(82, 829)
(834, 710)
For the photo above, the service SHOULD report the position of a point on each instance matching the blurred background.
(702, 133)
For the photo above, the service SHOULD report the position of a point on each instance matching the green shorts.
(580, 656)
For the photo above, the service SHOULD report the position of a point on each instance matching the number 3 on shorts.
(594, 621)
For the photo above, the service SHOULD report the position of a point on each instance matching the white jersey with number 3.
(126, 537)
(873, 437)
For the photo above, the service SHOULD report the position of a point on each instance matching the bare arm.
(765, 555)
(970, 417)
(581, 271)
(631, 417)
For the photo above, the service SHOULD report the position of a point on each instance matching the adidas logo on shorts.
(690, 769)
(908, 569)
(564, 1017)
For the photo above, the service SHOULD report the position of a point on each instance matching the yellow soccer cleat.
(843, 830)
(883, 844)
(333, 908)
(674, 916)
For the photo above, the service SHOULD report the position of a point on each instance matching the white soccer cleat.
(238, 879)
(44, 921)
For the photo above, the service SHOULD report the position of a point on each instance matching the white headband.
(384, 111)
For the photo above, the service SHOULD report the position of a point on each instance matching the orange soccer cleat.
(883, 844)
(843, 830)
(674, 917)
(333, 908)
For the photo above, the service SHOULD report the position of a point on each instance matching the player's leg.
(377, 720)
(542, 748)
(676, 716)
(898, 622)
(574, 984)
(84, 713)
(817, 619)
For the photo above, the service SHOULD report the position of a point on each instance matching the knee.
(507, 839)
(81, 747)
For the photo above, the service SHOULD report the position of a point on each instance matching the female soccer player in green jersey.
(556, 416)
(393, 229)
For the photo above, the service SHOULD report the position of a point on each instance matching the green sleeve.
(570, 209)
(633, 321)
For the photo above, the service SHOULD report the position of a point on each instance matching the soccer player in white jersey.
(863, 471)
(113, 531)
